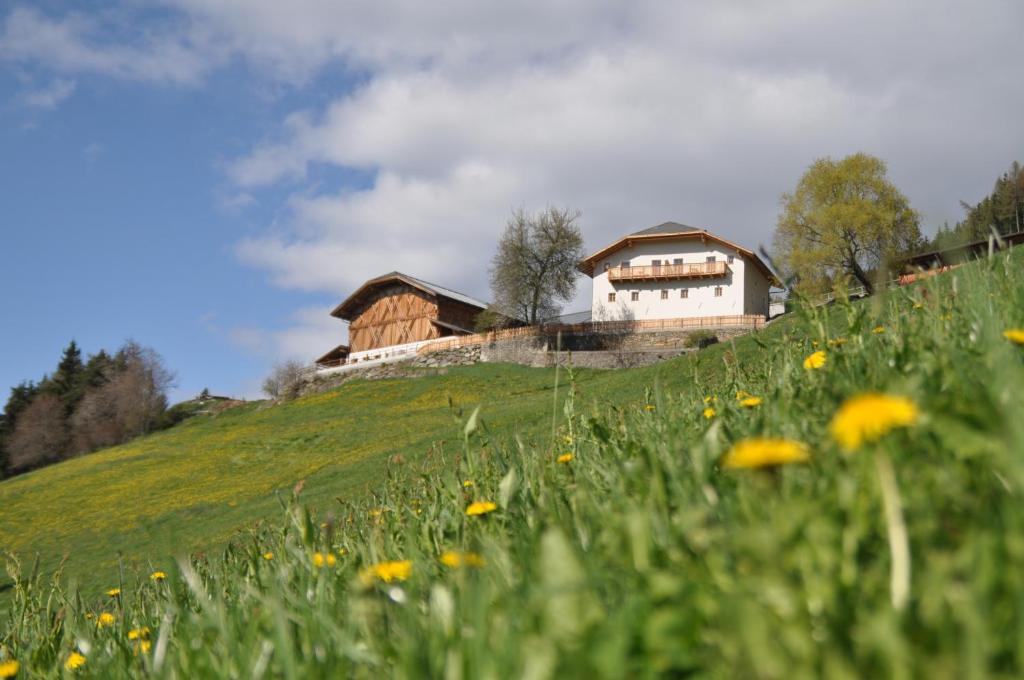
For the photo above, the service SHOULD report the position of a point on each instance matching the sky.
(210, 177)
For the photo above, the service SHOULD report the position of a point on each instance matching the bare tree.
(285, 380)
(130, 403)
(40, 436)
(534, 270)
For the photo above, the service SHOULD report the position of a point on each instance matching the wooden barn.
(396, 309)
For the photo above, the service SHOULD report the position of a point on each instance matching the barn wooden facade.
(396, 309)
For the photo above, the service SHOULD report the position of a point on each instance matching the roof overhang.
(348, 307)
(339, 352)
(587, 264)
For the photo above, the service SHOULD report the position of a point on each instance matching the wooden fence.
(636, 326)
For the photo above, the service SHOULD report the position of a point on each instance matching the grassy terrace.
(640, 554)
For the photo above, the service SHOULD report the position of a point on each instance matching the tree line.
(84, 405)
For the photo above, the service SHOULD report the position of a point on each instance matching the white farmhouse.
(673, 271)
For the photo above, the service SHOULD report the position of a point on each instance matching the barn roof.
(671, 231)
(347, 308)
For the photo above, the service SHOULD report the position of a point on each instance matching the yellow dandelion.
(376, 512)
(741, 395)
(814, 343)
(321, 559)
(157, 576)
(878, 330)
(649, 407)
(388, 572)
(837, 342)
(480, 508)
(454, 559)
(143, 646)
(565, 458)
(709, 413)
(467, 483)
(105, 619)
(710, 399)
(868, 417)
(268, 556)
(1014, 335)
(815, 360)
(113, 592)
(8, 669)
(568, 440)
(74, 661)
(765, 452)
(138, 633)
(750, 402)
(918, 305)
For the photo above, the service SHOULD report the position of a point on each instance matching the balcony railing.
(667, 272)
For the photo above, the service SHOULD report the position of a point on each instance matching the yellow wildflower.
(268, 555)
(867, 417)
(878, 330)
(568, 440)
(815, 360)
(1014, 335)
(143, 646)
(709, 413)
(454, 559)
(741, 395)
(388, 572)
(8, 669)
(467, 483)
(105, 619)
(480, 508)
(918, 305)
(157, 576)
(814, 343)
(114, 592)
(137, 633)
(565, 458)
(74, 661)
(710, 398)
(376, 512)
(764, 452)
(750, 402)
(837, 342)
(320, 559)
(649, 407)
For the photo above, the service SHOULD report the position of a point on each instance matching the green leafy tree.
(534, 270)
(845, 219)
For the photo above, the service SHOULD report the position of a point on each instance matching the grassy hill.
(191, 488)
(854, 513)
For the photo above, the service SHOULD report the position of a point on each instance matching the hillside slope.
(192, 487)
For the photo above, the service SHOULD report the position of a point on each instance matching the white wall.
(735, 299)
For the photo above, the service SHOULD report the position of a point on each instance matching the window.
(634, 296)
(711, 258)
(684, 293)
(656, 263)
(664, 294)
(611, 297)
(730, 259)
(624, 263)
(678, 260)
(718, 291)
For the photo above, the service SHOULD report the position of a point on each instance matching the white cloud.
(80, 44)
(312, 331)
(49, 97)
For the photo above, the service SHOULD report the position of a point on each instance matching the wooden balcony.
(669, 272)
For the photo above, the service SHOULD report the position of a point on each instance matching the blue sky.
(210, 177)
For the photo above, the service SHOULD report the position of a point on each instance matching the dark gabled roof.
(668, 231)
(339, 352)
(574, 317)
(346, 308)
(665, 228)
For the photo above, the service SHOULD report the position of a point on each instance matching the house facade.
(673, 271)
(394, 313)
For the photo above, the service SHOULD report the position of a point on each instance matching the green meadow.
(740, 512)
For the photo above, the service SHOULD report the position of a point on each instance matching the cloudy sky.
(209, 177)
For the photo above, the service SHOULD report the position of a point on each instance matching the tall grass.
(639, 555)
